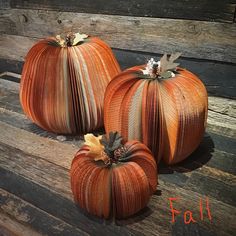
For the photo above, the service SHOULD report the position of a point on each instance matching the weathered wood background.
(35, 196)
(204, 31)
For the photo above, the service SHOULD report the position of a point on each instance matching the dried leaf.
(167, 64)
(163, 62)
(170, 66)
(174, 56)
(96, 149)
(79, 38)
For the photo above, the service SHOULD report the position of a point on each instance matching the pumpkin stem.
(114, 148)
(70, 39)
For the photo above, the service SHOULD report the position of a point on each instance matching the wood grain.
(29, 215)
(49, 196)
(208, 40)
(11, 227)
(158, 218)
(159, 222)
(203, 10)
(23, 179)
(49, 212)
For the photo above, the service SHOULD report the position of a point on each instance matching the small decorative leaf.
(70, 39)
(79, 38)
(170, 66)
(163, 63)
(96, 149)
(174, 56)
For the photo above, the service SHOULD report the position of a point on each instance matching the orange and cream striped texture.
(168, 115)
(119, 190)
(62, 88)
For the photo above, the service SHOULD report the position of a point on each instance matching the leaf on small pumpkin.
(96, 149)
(79, 38)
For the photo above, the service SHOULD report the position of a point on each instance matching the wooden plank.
(11, 227)
(55, 214)
(46, 173)
(46, 148)
(203, 10)
(210, 186)
(35, 169)
(151, 221)
(4, 4)
(221, 123)
(27, 214)
(222, 106)
(18, 49)
(26, 170)
(204, 154)
(195, 39)
(10, 65)
(211, 152)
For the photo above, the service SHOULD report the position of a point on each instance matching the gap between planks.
(28, 218)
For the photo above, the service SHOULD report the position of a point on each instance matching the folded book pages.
(64, 80)
(110, 178)
(159, 104)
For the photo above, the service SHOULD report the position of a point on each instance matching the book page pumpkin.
(64, 80)
(109, 178)
(159, 104)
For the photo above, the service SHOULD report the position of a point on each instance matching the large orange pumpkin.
(159, 104)
(63, 83)
(109, 178)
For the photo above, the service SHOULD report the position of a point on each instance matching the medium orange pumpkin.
(109, 178)
(63, 83)
(159, 104)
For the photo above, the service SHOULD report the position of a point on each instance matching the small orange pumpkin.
(159, 104)
(111, 178)
(63, 83)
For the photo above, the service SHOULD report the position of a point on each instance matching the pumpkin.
(160, 104)
(64, 80)
(109, 178)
